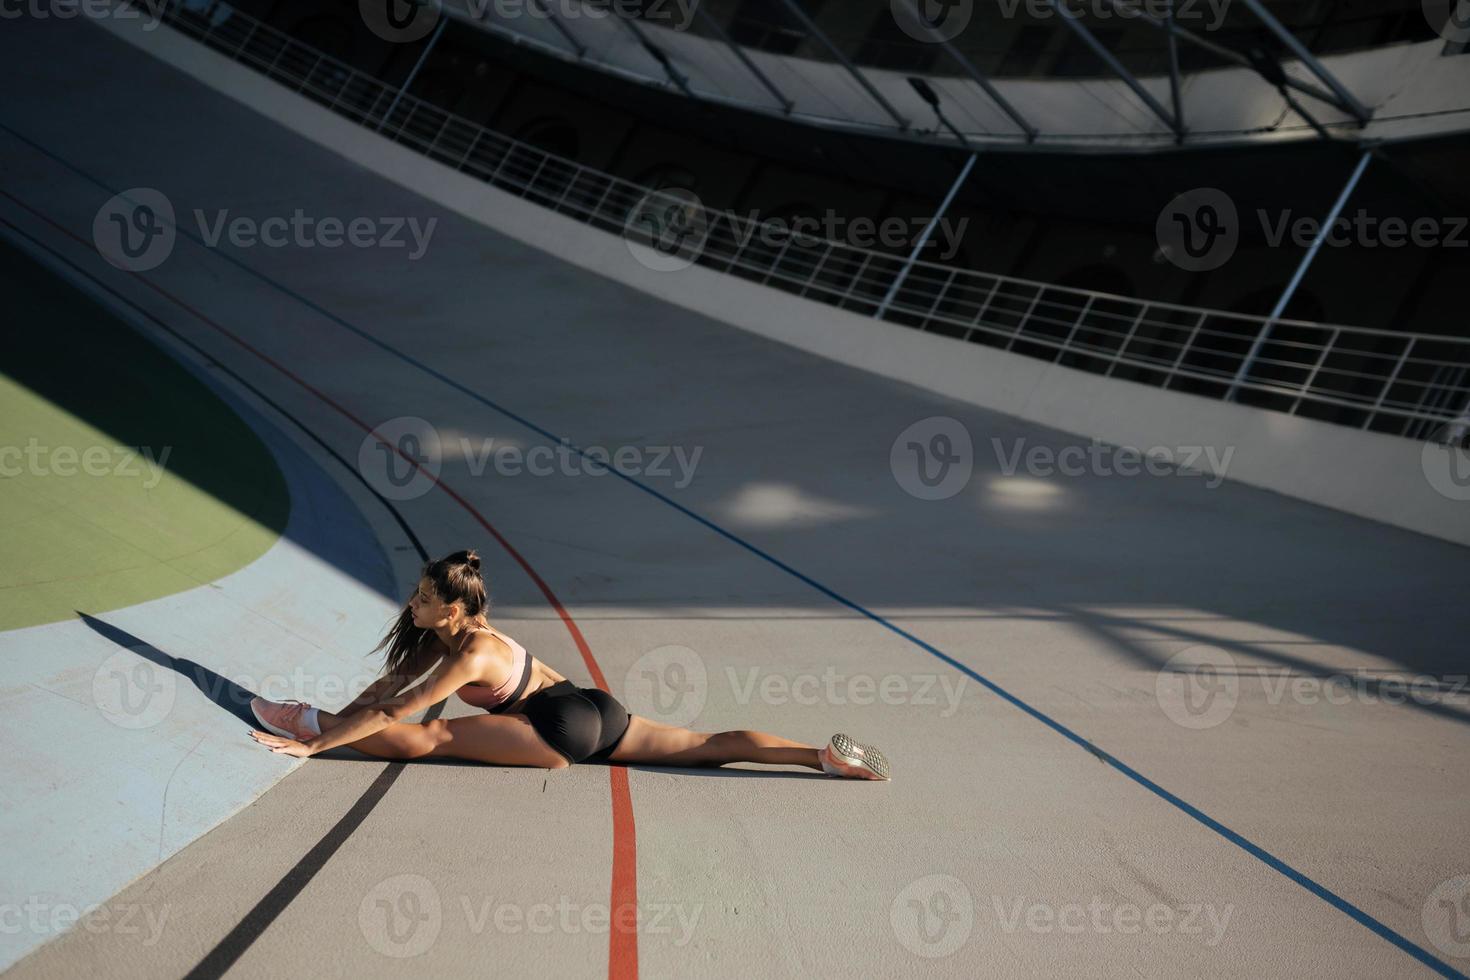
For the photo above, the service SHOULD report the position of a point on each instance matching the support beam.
(1074, 23)
(739, 52)
(969, 68)
(1296, 279)
(1174, 71)
(814, 31)
(561, 28)
(657, 54)
(1220, 51)
(423, 56)
(1356, 108)
(924, 238)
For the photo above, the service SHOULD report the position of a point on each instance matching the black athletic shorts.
(583, 724)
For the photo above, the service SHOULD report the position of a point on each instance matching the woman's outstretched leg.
(505, 740)
(652, 743)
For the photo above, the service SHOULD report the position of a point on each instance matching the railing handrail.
(935, 308)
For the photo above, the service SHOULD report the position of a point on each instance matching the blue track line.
(1379, 928)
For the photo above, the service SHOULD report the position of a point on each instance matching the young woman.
(533, 715)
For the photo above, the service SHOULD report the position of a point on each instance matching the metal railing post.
(924, 238)
(1306, 391)
(407, 82)
(1392, 380)
(1301, 270)
(1127, 339)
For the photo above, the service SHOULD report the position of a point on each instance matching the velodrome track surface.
(1294, 837)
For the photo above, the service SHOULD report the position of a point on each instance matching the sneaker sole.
(272, 728)
(860, 754)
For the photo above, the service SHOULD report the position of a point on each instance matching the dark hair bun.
(471, 558)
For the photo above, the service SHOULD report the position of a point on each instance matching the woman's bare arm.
(448, 676)
(386, 689)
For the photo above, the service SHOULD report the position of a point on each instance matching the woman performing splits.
(534, 716)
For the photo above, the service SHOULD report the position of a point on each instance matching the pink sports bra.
(495, 699)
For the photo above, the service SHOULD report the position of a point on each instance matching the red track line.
(622, 960)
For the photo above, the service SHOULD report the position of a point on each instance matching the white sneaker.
(852, 760)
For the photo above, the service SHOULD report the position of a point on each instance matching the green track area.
(122, 477)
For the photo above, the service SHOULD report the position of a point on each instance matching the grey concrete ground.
(1001, 847)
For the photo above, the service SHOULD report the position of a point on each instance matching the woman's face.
(428, 609)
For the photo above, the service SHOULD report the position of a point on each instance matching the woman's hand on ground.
(285, 746)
